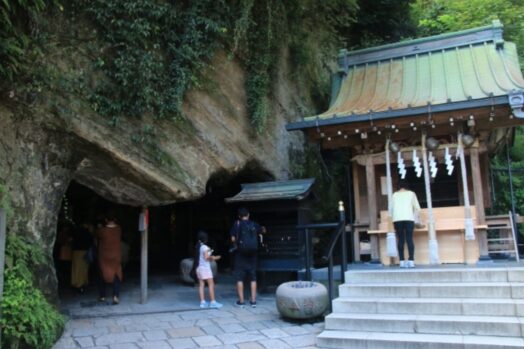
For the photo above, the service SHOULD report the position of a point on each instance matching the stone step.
(434, 306)
(429, 274)
(434, 290)
(377, 340)
(504, 326)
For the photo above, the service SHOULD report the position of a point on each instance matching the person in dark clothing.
(245, 259)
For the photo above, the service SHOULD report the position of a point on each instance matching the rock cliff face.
(43, 150)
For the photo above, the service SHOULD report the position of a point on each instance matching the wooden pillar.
(478, 196)
(468, 221)
(432, 241)
(144, 229)
(2, 259)
(356, 200)
(372, 207)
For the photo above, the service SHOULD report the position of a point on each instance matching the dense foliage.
(439, 16)
(27, 317)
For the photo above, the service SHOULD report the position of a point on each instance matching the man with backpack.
(245, 236)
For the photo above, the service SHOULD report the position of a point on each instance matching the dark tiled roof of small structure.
(296, 189)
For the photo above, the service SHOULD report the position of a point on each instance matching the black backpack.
(247, 237)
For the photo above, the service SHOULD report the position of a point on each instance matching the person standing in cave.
(109, 256)
(245, 236)
(82, 242)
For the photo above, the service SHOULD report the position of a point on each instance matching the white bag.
(392, 250)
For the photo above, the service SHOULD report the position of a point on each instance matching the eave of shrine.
(417, 83)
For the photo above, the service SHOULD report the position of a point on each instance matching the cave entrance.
(171, 233)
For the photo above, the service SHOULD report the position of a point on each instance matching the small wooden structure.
(279, 206)
(433, 110)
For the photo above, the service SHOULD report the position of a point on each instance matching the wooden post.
(356, 199)
(372, 207)
(432, 242)
(144, 229)
(2, 259)
(468, 220)
(479, 202)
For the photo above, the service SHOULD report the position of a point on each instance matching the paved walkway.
(173, 319)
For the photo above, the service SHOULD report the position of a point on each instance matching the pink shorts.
(204, 273)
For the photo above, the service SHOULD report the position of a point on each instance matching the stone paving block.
(207, 341)
(65, 343)
(275, 344)
(104, 322)
(155, 345)
(235, 338)
(301, 341)
(89, 331)
(204, 322)
(231, 328)
(118, 338)
(137, 327)
(85, 342)
(212, 329)
(123, 346)
(182, 343)
(116, 329)
(180, 323)
(166, 317)
(154, 335)
(274, 333)
(228, 320)
(250, 345)
(295, 330)
(250, 326)
(185, 332)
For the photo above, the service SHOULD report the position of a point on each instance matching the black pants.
(102, 286)
(404, 231)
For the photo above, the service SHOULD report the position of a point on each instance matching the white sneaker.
(411, 264)
(215, 305)
(403, 264)
(204, 304)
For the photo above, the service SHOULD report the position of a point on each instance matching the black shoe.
(253, 304)
(240, 304)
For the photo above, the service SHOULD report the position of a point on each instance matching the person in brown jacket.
(109, 256)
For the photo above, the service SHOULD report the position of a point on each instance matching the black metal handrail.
(328, 256)
(340, 232)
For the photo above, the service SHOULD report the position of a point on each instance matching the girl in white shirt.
(204, 272)
(405, 207)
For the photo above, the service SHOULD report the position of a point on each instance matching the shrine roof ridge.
(489, 33)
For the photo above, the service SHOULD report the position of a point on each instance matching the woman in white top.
(204, 272)
(405, 207)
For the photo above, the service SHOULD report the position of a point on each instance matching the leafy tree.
(439, 16)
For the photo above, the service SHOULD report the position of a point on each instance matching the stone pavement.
(172, 319)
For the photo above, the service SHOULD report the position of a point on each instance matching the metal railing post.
(344, 262)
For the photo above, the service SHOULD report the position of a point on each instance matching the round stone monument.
(302, 299)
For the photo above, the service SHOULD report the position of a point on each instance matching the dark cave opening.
(172, 228)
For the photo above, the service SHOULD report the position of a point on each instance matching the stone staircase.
(428, 308)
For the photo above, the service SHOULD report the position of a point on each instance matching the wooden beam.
(372, 207)
(478, 196)
(356, 199)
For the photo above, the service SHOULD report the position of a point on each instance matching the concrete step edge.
(441, 318)
(516, 342)
(407, 300)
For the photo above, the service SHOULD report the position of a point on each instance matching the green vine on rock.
(153, 52)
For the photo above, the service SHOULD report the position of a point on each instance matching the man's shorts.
(245, 265)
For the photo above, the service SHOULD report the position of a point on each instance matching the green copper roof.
(449, 69)
(294, 189)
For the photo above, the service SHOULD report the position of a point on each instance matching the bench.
(449, 229)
